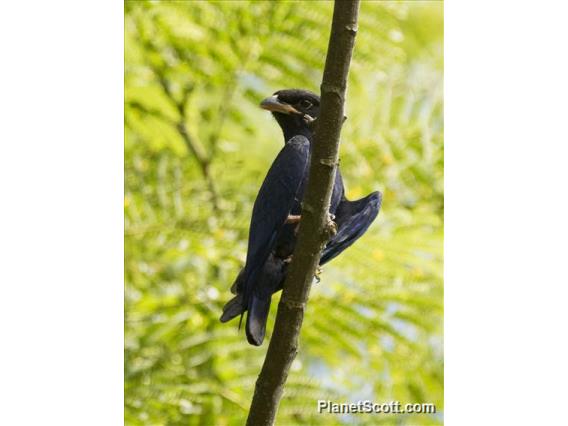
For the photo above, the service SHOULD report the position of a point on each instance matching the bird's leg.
(293, 218)
(319, 271)
(330, 227)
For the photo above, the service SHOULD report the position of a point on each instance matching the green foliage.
(373, 328)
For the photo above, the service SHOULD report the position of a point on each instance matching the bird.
(277, 212)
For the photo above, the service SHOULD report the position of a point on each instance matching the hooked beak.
(274, 105)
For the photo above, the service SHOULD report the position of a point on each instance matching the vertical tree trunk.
(315, 225)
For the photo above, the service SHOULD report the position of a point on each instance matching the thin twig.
(195, 148)
(313, 233)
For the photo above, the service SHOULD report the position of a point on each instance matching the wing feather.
(273, 203)
(353, 218)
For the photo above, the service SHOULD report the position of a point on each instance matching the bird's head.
(295, 111)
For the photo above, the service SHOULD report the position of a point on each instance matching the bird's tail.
(233, 308)
(256, 319)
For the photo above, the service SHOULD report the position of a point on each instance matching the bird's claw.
(319, 271)
(331, 226)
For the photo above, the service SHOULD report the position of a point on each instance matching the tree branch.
(314, 226)
(196, 149)
(202, 159)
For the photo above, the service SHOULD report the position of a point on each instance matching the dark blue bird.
(277, 211)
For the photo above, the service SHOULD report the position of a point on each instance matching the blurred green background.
(196, 150)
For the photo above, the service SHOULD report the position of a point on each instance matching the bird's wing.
(352, 219)
(272, 206)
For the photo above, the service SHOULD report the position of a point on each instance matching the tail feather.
(237, 286)
(233, 308)
(256, 320)
(269, 281)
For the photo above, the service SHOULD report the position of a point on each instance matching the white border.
(61, 215)
(61, 244)
(506, 225)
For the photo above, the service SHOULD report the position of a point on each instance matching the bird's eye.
(304, 103)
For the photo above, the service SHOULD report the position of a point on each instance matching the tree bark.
(315, 226)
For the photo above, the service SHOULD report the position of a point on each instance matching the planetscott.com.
(392, 407)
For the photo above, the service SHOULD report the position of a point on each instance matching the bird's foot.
(317, 275)
(330, 226)
(293, 218)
